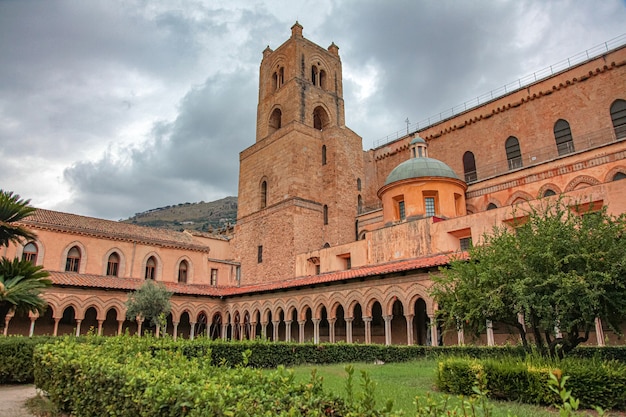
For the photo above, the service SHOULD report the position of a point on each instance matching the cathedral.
(336, 243)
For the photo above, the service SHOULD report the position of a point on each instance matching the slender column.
(175, 330)
(120, 325)
(301, 324)
(263, 330)
(316, 331)
(409, 328)
(31, 331)
(490, 339)
(100, 322)
(192, 331)
(331, 330)
(434, 337)
(349, 321)
(368, 329)
(275, 323)
(387, 320)
(288, 330)
(224, 331)
(599, 332)
(253, 330)
(139, 325)
(55, 332)
(7, 319)
(460, 336)
(78, 322)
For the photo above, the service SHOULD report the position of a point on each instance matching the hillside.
(216, 216)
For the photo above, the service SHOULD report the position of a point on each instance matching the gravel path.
(12, 399)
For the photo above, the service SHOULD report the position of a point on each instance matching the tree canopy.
(549, 274)
(21, 282)
(151, 302)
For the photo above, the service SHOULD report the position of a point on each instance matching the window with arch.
(322, 79)
(358, 184)
(30, 253)
(491, 206)
(72, 262)
(183, 268)
(469, 167)
(619, 176)
(275, 122)
(549, 193)
(263, 194)
(314, 73)
(618, 117)
(513, 153)
(320, 118)
(151, 265)
(563, 137)
(325, 214)
(113, 264)
(323, 154)
(278, 78)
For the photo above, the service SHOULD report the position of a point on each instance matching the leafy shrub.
(16, 352)
(592, 381)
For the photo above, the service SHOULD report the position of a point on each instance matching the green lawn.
(402, 382)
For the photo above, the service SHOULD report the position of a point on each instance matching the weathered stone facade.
(324, 249)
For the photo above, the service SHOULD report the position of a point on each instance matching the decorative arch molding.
(190, 270)
(320, 302)
(581, 180)
(290, 310)
(114, 304)
(266, 311)
(391, 297)
(418, 291)
(121, 272)
(303, 310)
(614, 171)
(83, 256)
(493, 201)
(321, 117)
(369, 298)
(158, 273)
(69, 301)
(548, 187)
(352, 302)
(41, 250)
(518, 195)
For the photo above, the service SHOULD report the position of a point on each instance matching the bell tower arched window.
(563, 137)
(324, 155)
(325, 214)
(618, 117)
(314, 75)
(263, 194)
(469, 167)
(275, 120)
(513, 153)
(320, 118)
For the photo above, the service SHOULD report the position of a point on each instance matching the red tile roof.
(55, 220)
(108, 282)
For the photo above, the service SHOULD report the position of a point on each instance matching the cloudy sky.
(113, 107)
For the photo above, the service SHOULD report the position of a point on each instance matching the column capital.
(367, 319)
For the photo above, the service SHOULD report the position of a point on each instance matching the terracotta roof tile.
(55, 220)
(108, 282)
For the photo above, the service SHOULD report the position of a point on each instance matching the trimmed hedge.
(594, 382)
(132, 377)
(16, 363)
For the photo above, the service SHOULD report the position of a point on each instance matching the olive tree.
(151, 303)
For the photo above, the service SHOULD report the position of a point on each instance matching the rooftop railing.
(544, 73)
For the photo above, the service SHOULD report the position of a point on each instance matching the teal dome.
(417, 140)
(420, 167)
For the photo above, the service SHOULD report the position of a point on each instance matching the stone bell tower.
(299, 183)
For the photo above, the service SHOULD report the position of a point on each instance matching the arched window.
(323, 154)
(281, 76)
(113, 264)
(151, 265)
(549, 193)
(264, 194)
(30, 253)
(323, 79)
(358, 184)
(491, 206)
(72, 263)
(182, 271)
(563, 137)
(320, 118)
(275, 120)
(618, 176)
(275, 81)
(469, 167)
(513, 153)
(314, 75)
(360, 204)
(325, 214)
(618, 117)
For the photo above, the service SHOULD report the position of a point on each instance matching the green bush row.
(133, 377)
(16, 363)
(593, 381)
